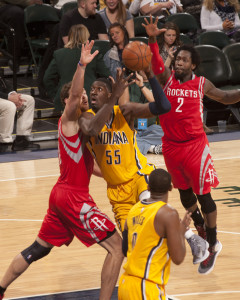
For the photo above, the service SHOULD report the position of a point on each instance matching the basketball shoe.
(199, 248)
(157, 149)
(208, 264)
(201, 231)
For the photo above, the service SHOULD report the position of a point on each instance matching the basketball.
(136, 56)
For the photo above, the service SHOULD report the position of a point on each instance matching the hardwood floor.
(25, 187)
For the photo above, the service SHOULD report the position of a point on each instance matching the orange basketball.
(136, 56)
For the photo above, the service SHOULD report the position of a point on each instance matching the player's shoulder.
(166, 213)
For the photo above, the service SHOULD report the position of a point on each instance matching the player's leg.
(210, 210)
(52, 233)
(203, 177)
(175, 163)
(112, 264)
(189, 202)
(22, 261)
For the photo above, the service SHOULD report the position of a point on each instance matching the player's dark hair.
(65, 92)
(194, 54)
(159, 181)
(123, 28)
(107, 82)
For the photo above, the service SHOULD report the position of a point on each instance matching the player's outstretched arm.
(75, 94)
(158, 67)
(92, 125)
(225, 97)
(160, 106)
(168, 225)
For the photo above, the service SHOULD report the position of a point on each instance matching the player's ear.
(170, 188)
(193, 67)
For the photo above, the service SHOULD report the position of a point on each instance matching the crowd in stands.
(111, 20)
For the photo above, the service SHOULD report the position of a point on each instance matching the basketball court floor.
(74, 272)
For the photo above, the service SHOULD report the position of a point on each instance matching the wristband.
(141, 87)
(81, 65)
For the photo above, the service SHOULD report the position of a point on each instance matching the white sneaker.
(199, 248)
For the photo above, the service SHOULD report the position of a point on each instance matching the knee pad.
(187, 197)
(35, 252)
(207, 203)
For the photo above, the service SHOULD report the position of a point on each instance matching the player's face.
(183, 65)
(98, 95)
(84, 106)
(90, 7)
(117, 35)
(170, 37)
(112, 4)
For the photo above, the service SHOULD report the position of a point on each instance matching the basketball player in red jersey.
(185, 145)
(72, 211)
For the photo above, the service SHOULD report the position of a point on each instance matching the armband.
(161, 105)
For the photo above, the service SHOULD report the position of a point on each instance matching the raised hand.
(151, 28)
(121, 83)
(86, 56)
(186, 220)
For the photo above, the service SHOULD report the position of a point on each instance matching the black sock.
(197, 217)
(2, 290)
(211, 235)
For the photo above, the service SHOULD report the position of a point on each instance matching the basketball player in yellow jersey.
(152, 238)
(115, 148)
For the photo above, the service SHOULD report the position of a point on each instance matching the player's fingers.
(129, 77)
(151, 19)
(146, 21)
(156, 20)
(112, 79)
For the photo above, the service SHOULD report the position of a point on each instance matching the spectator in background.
(63, 65)
(193, 7)
(168, 42)
(12, 14)
(102, 3)
(85, 14)
(149, 133)
(160, 7)
(24, 106)
(221, 15)
(115, 11)
(119, 38)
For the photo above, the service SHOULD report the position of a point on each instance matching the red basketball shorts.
(191, 165)
(72, 213)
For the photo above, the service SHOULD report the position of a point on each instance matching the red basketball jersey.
(75, 160)
(184, 121)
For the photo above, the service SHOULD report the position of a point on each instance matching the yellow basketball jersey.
(147, 256)
(116, 152)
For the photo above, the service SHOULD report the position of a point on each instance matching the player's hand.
(86, 56)
(186, 220)
(121, 83)
(151, 28)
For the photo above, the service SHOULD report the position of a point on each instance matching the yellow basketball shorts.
(135, 288)
(124, 196)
